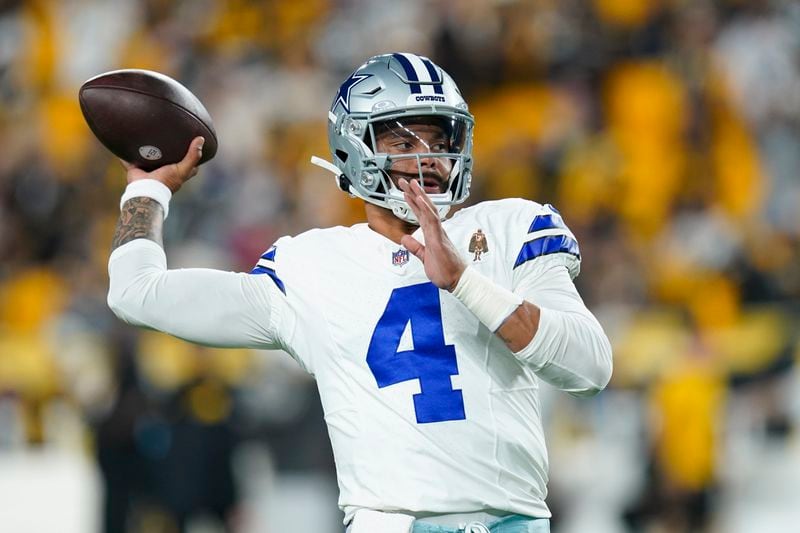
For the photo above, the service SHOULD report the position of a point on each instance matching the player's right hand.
(174, 175)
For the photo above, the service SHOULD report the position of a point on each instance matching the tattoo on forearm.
(141, 217)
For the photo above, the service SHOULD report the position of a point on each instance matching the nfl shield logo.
(400, 257)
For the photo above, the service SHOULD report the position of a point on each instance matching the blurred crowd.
(667, 132)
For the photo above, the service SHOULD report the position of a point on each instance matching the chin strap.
(327, 165)
(339, 176)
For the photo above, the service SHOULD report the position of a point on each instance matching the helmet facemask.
(394, 95)
(429, 148)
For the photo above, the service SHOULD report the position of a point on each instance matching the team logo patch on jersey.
(400, 257)
(478, 245)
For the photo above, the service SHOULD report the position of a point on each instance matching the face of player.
(406, 140)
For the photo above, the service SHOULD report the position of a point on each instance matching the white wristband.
(148, 188)
(487, 300)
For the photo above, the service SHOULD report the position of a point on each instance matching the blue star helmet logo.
(343, 96)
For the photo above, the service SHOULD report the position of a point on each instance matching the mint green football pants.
(507, 524)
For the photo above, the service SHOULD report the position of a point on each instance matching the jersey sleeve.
(210, 307)
(570, 350)
(539, 233)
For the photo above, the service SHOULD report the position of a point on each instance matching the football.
(145, 118)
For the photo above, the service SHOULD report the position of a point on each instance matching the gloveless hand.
(443, 265)
(174, 175)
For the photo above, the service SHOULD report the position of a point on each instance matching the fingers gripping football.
(443, 265)
(174, 175)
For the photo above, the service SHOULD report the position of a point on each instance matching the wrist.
(487, 300)
(148, 188)
(455, 283)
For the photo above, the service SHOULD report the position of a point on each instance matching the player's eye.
(402, 146)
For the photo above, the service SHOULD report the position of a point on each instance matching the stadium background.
(666, 131)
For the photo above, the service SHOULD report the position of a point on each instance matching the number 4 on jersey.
(431, 361)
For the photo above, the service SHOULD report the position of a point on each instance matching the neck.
(383, 221)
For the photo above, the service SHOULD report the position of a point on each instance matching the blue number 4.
(431, 361)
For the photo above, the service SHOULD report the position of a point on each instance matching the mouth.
(432, 185)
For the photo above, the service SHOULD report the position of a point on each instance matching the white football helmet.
(390, 92)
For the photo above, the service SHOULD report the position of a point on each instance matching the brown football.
(145, 118)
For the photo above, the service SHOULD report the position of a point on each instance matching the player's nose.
(428, 161)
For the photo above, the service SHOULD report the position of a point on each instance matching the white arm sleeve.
(570, 350)
(210, 307)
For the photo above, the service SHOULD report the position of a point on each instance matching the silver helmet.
(388, 93)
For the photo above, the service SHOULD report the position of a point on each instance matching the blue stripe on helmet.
(271, 273)
(547, 222)
(411, 74)
(437, 81)
(547, 245)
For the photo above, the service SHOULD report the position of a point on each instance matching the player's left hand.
(443, 265)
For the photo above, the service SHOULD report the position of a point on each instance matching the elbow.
(600, 373)
(133, 280)
(123, 304)
(117, 303)
(605, 363)
(592, 389)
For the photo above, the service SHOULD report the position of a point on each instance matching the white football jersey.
(427, 410)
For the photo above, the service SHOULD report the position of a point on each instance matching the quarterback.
(427, 335)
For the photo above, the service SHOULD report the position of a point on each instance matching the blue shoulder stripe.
(269, 254)
(547, 245)
(271, 273)
(541, 222)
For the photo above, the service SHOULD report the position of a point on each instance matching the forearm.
(519, 329)
(546, 325)
(568, 347)
(140, 218)
(506, 314)
(569, 350)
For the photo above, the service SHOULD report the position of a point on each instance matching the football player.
(427, 361)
